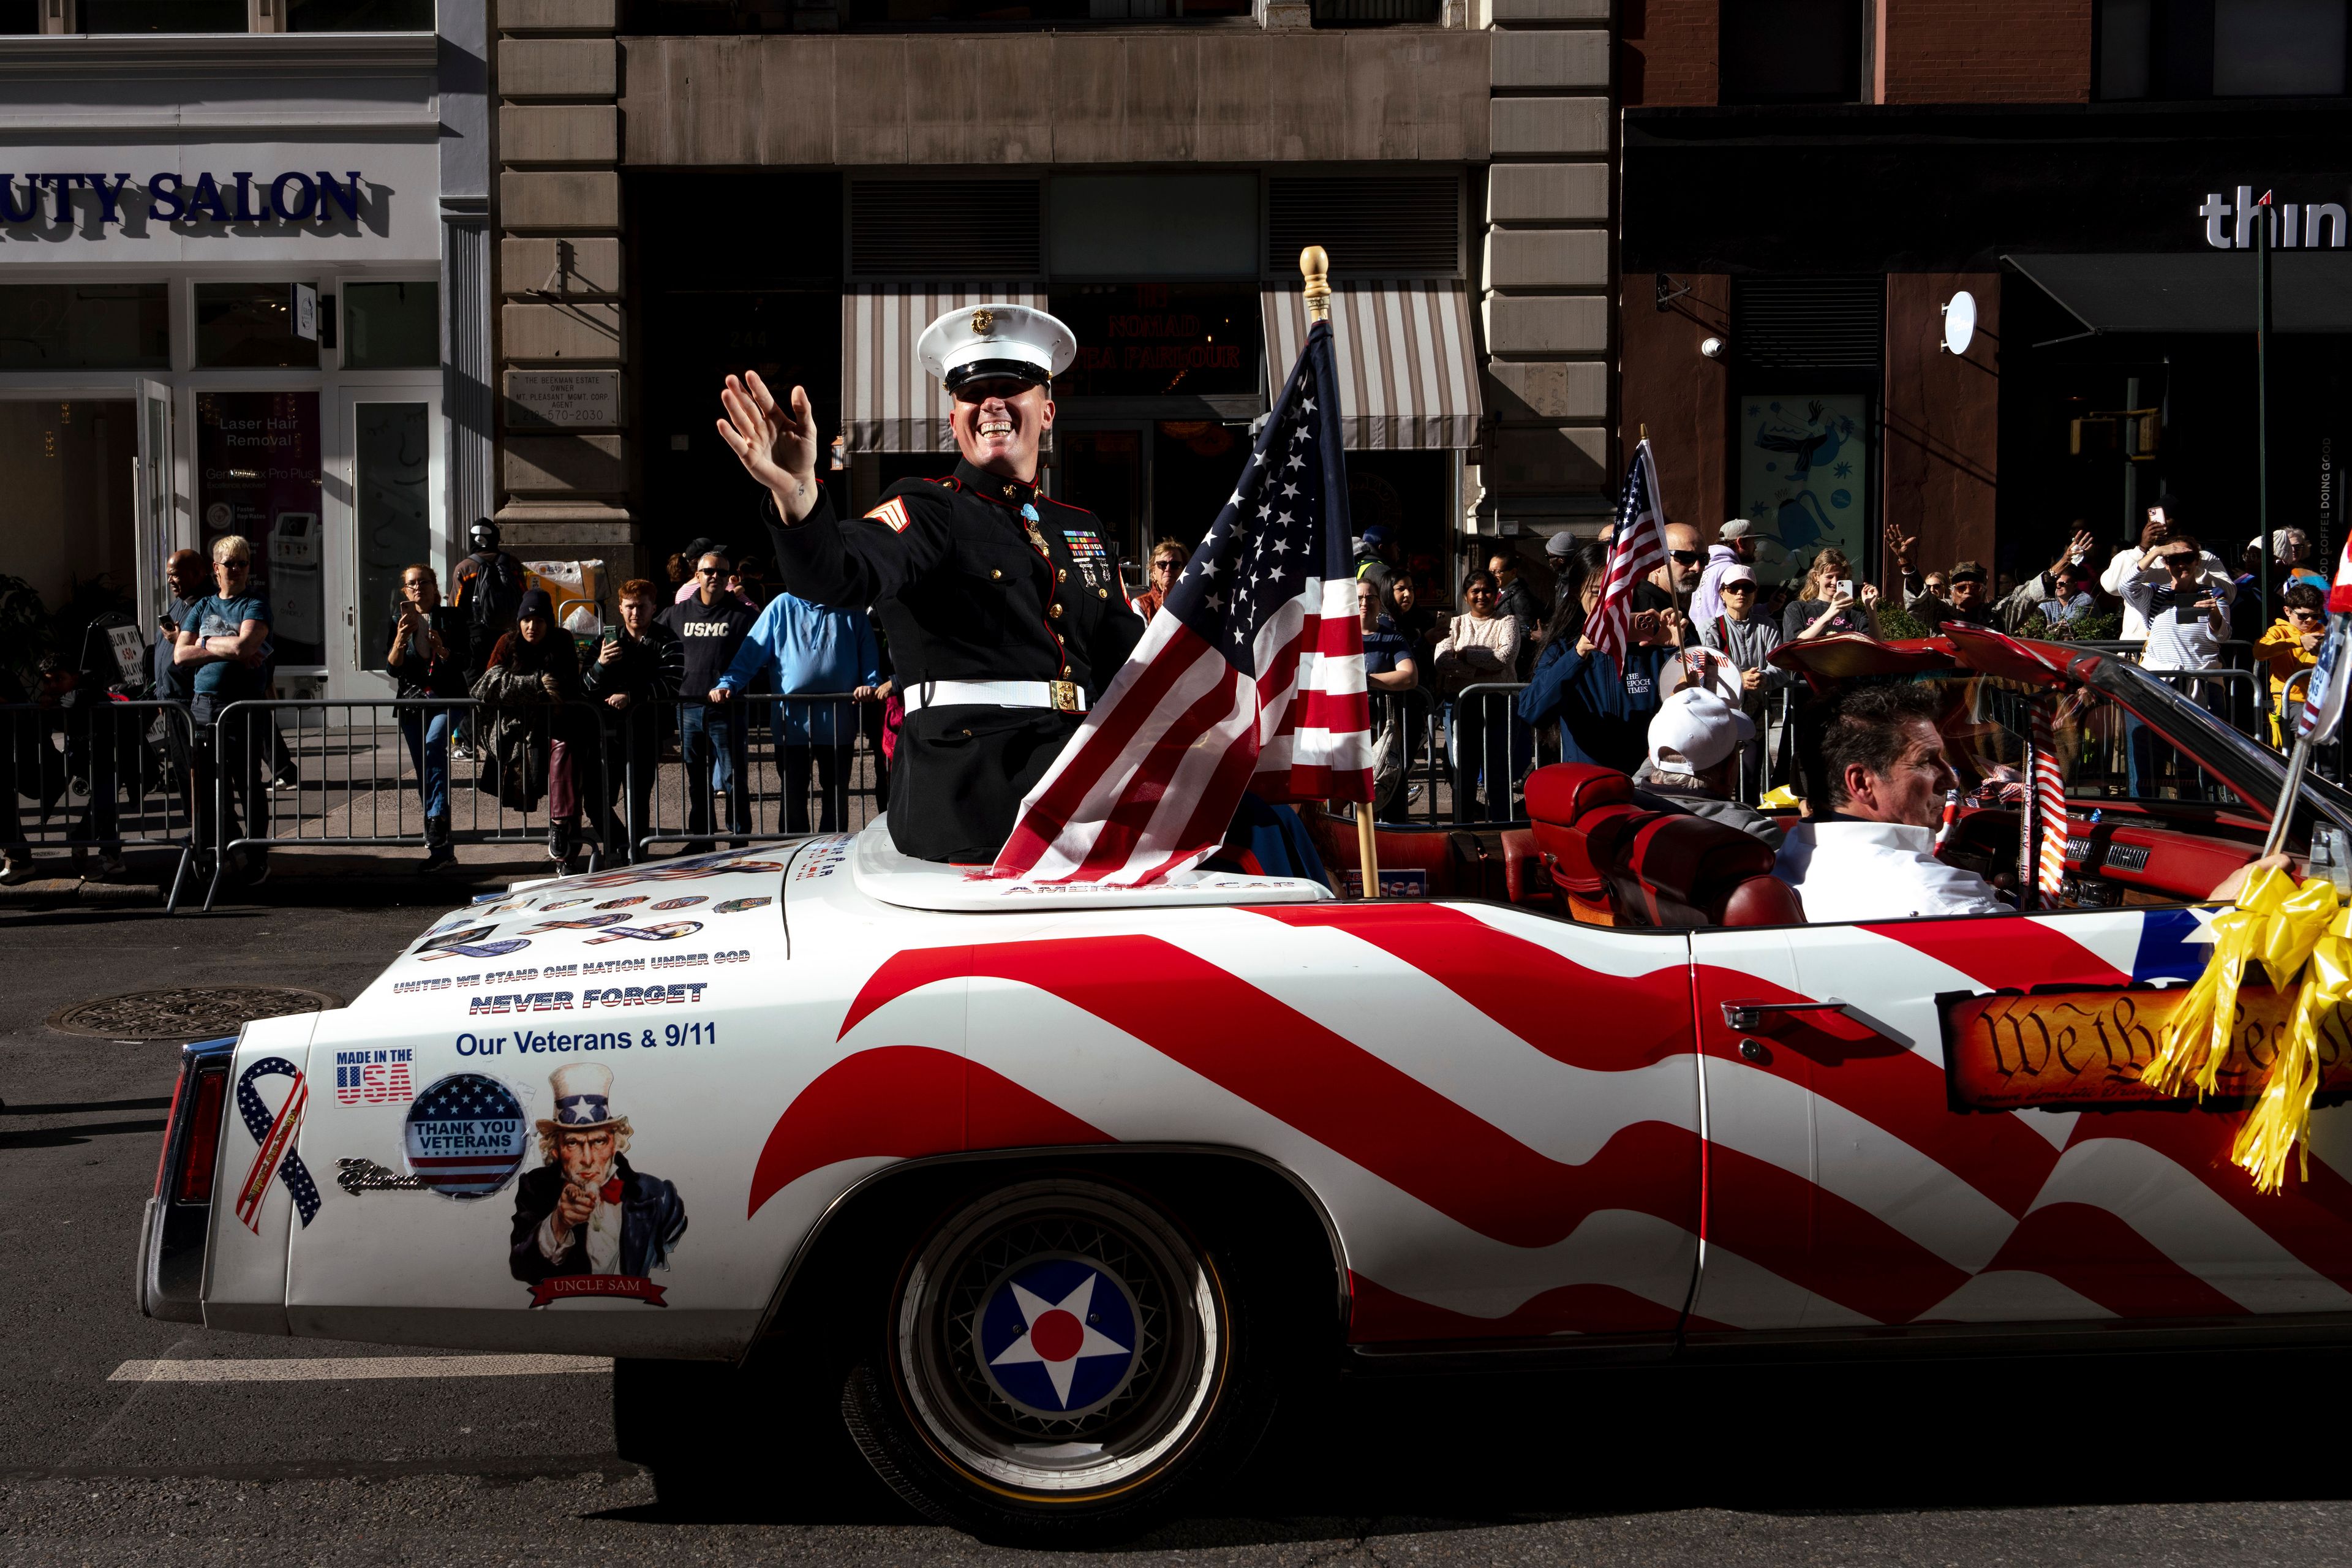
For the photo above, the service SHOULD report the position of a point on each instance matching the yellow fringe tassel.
(2202, 1024)
(2281, 1118)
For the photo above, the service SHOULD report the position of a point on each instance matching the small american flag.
(1250, 676)
(1639, 548)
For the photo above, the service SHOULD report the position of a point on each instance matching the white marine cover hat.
(996, 340)
(583, 1100)
(1695, 729)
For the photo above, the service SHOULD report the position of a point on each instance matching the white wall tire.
(1059, 1361)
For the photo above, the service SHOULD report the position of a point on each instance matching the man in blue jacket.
(804, 646)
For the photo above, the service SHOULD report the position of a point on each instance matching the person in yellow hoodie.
(2291, 644)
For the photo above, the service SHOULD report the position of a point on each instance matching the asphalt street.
(2214, 1459)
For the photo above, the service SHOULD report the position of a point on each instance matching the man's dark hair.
(2303, 596)
(1864, 724)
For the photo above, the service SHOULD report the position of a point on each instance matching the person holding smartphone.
(1832, 606)
(2188, 618)
(431, 651)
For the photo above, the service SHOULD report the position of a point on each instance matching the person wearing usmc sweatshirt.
(712, 740)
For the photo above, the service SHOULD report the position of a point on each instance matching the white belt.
(1061, 696)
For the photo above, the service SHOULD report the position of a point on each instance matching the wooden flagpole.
(1315, 267)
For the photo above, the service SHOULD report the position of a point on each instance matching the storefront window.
(1161, 340)
(250, 326)
(1791, 51)
(1804, 476)
(392, 496)
(1406, 492)
(2223, 49)
(2278, 48)
(85, 326)
(391, 326)
(257, 475)
(162, 15)
(359, 16)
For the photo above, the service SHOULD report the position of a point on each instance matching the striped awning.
(1408, 365)
(888, 404)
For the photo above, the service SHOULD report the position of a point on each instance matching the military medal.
(1037, 535)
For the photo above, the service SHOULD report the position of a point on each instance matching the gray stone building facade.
(686, 188)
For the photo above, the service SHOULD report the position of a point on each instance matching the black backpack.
(493, 591)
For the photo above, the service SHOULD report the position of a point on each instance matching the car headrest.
(1565, 791)
(1669, 869)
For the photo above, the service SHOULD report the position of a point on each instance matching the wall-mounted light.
(1711, 348)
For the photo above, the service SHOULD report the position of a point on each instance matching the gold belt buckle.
(1065, 696)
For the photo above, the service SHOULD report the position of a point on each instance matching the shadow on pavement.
(1397, 1455)
(64, 1137)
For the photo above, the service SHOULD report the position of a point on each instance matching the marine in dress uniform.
(1002, 606)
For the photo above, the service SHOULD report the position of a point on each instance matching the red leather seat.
(1619, 864)
(1568, 803)
(1671, 870)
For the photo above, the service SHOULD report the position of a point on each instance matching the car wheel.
(1060, 1364)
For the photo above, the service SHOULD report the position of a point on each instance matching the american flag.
(1250, 676)
(1639, 548)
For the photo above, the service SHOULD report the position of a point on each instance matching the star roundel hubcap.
(1057, 1337)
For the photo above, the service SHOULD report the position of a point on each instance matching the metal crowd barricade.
(1406, 737)
(760, 767)
(360, 773)
(99, 775)
(1490, 751)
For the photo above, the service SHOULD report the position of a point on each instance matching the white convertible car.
(1059, 1188)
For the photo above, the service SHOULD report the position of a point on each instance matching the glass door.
(152, 478)
(389, 519)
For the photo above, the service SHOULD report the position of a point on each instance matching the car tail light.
(195, 1186)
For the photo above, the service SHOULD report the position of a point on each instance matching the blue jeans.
(712, 743)
(427, 731)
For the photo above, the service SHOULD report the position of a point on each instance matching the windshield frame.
(2252, 771)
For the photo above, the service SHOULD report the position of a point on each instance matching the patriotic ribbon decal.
(274, 1135)
(669, 931)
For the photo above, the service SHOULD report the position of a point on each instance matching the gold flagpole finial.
(1315, 264)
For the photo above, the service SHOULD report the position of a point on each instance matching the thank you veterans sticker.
(466, 1136)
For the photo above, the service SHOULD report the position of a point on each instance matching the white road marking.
(339, 1369)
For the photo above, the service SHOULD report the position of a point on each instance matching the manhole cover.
(185, 1012)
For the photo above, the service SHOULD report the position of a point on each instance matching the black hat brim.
(1035, 375)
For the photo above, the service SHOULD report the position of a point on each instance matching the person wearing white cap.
(1735, 546)
(1696, 740)
(1746, 639)
(1001, 608)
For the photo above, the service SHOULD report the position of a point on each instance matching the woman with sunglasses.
(1168, 558)
(1745, 638)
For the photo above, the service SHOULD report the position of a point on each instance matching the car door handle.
(1753, 1018)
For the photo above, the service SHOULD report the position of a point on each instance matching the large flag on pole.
(1638, 549)
(1250, 676)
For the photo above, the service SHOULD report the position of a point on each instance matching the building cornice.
(84, 57)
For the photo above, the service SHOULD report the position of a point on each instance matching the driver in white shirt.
(1872, 856)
